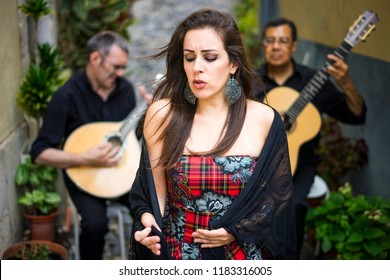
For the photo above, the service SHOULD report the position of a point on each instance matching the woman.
(214, 180)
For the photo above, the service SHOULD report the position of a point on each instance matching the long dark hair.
(181, 114)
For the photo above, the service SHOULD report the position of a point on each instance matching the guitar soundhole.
(115, 141)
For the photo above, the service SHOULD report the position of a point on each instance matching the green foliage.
(355, 227)
(34, 92)
(51, 60)
(247, 14)
(35, 175)
(46, 202)
(41, 81)
(33, 251)
(39, 190)
(81, 19)
(338, 154)
(35, 8)
(45, 73)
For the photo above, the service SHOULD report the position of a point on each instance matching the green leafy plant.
(35, 8)
(338, 154)
(247, 14)
(81, 19)
(46, 71)
(353, 227)
(33, 251)
(41, 81)
(38, 185)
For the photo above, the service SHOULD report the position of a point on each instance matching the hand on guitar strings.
(102, 155)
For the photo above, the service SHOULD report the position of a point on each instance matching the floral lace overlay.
(202, 188)
(240, 168)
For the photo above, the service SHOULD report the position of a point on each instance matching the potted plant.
(352, 227)
(39, 197)
(35, 250)
(35, 9)
(41, 81)
(45, 73)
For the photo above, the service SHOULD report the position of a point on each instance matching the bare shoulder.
(155, 116)
(260, 113)
(258, 122)
(158, 108)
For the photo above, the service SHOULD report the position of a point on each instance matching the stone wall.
(13, 132)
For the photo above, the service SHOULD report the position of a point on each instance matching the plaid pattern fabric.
(202, 187)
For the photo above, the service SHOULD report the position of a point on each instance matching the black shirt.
(75, 104)
(329, 100)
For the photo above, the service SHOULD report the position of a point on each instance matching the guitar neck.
(315, 84)
(130, 122)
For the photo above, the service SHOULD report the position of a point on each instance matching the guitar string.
(314, 85)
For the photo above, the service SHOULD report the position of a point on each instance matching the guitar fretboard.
(130, 122)
(315, 84)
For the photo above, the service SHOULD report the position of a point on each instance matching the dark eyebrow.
(203, 51)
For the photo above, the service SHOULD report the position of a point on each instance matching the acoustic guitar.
(301, 118)
(107, 182)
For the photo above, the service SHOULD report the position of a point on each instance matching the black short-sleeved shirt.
(329, 100)
(75, 104)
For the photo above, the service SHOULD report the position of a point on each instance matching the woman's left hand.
(212, 238)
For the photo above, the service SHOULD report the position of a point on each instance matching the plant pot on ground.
(35, 250)
(42, 227)
(39, 197)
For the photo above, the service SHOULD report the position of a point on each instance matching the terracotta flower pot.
(42, 227)
(59, 251)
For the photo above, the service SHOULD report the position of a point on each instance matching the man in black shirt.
(279, 41)
(99, 93)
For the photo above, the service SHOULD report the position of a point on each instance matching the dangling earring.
(189, 95)
(232, 91)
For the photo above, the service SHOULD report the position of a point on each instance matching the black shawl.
(262, 213)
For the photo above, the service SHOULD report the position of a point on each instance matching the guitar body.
(106, 182)
(302, 119)
(306, 126)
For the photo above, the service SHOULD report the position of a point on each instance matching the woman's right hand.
(142, 236)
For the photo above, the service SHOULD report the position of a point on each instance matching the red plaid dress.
(202, 187)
